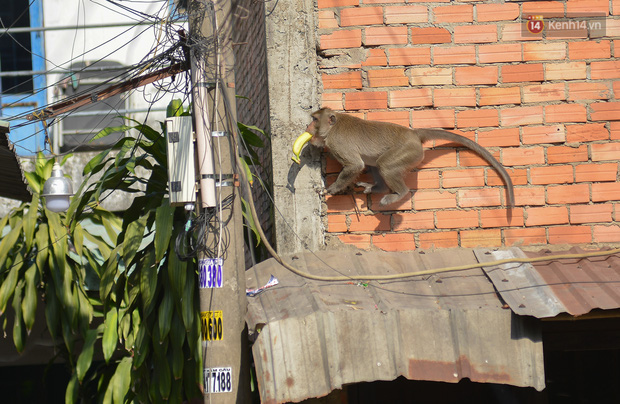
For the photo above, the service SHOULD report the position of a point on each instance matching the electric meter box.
(181, 165)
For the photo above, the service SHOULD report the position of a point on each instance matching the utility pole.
(223, 302)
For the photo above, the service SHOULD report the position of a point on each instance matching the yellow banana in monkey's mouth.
(299, 144)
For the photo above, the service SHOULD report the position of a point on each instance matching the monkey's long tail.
(431, 134)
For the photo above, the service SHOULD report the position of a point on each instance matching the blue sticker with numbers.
(211, 273)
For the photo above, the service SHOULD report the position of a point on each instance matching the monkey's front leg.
(346, 177)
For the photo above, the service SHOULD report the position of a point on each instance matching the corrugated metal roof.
(12, 182)
(317, 336)
(548, 288)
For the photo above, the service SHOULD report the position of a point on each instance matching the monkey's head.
(322, 122)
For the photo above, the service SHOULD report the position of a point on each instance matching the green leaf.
(86, 356)
(133, 238)
(7, 244)
(34, 181)
(30, 221)
(71, 393)
(8, 286)
(189, 306)
(148, 280)
(19, 338)
(121, 380)
(165, 314)
(110, 334)
(29, 304)
(175, 108)
(164, 216)
(78, 239)
(109, 130)
(250, 137)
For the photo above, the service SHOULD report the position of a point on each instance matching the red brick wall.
(548, 109)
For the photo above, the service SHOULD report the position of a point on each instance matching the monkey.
(388, 149)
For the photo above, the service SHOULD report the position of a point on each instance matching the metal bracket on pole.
(219, 133)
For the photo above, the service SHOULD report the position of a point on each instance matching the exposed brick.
(570, 235)
(361, 16)
(605, 191)
(568, 194)
(469, 75)
(477, 118)
(519, 237)
(444, 239)
(501, 218)
(469, 198)
(612, 29)
(430, 35)
(499, 137)
(586, 133)
(327, 19)
(423, 200)
(565, 71)
(475, 33)
(425, 179)
(523, 156)
(342, 80)
(518, 176)
(589, 50)
(463, 178)
(337, 223)
(424, 76)
(385, 36)
(605, 151)
(596, 172)
(394, 241)
(544, 92)
(440, 118)
(481, 238)
(546, 8)
(469, 158)
(497, 12)
(345, 203)
(546, 215)
(376, 222)
(409, 56)
(497, 53)
(616, 83)
(576, 8)
(499, 95)
(457, 13)
(456, 219)
(556, 174)
(522, 72)
(606, 234)
(605, 111)
(381, 1)
(531, 196)
(566, 154)
(403, 204)
(544, 51)
(614, 130)
(375, 57)
(455, 97)
(544, 134)
(365, 100)
(605, 70)
(359, 240)
(413, 221)
(588, 91)
(410, 14)
(521, 116)
(514, 32)
(415, 97)
(615, 7)
(342, 39)
(580, 214)
(387, 78)
(438, 158)
(337, 3)
(332, 100)
(397, 117)
(565, 113)
(465, 54)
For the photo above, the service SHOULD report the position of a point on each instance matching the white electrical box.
(181, 166)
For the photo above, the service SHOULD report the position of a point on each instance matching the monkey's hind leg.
(379, 185)
(392, 166)
(346, 177)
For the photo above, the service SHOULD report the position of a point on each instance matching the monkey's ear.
(332, 119)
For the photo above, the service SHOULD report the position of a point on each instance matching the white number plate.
(211, 273)
(218, 380)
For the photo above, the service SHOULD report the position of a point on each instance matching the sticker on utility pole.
(212, 328)
(218, 380)
(211, 274)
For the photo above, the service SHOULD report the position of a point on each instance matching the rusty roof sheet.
(12, 182)
(316, 336)
(548, 288)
